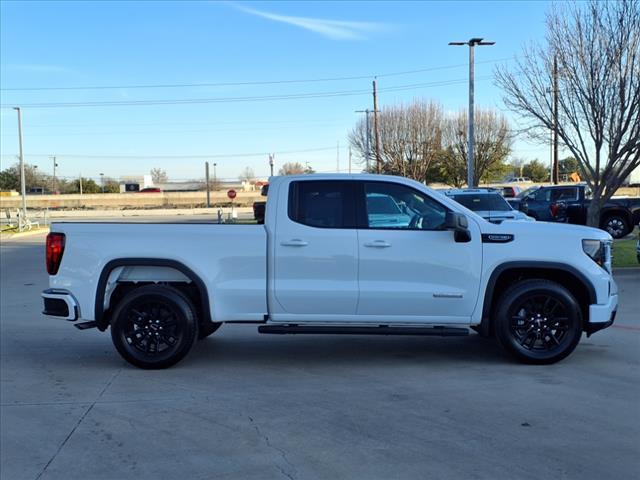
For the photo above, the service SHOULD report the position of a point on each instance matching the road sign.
(231, 194)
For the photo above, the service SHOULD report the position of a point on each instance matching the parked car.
(569, 203)
(320, 264)
(150, 190)
(510, 191)
(517, 180)
(488, 203)
(259, 208)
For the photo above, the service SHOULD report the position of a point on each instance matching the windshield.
(526, 192)
(483, 202)
(382, 204)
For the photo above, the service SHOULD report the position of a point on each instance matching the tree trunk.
(593, 212)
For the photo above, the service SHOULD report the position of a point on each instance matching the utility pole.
(271, 155)
(23, 186)
(376, 126)
(54, 173)
(349, 158)
(206, 176)
(367, 138)
(102, 181)
(338, 156)
(215, 177)
(471, 138)
(555, 120)
(80, 183)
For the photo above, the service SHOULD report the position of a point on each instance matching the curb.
(11, 236)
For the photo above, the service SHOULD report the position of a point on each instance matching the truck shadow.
(331, 350)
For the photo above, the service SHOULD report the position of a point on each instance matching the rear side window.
(483, 202)
(322, 204)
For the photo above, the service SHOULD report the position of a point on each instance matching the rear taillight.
(55, 249)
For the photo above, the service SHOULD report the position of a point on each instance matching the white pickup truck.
(337, 254)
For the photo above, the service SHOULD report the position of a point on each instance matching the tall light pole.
(215, 177)
(23, 186)
(55, 164)
(470, 149)
(102, 181)
(271, 162)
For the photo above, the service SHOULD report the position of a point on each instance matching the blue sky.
(124, 44)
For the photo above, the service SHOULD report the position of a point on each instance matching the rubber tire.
(625, 230)
(208, 328)
(526, 287)
(186, 314)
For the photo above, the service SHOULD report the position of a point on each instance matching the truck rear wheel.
(154, 327)
(538, 321)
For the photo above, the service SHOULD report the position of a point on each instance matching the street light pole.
(271, 162)
(471, 145)
(102, 181)
(55, 164)
(23, 186)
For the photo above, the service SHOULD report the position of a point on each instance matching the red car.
(150, 190)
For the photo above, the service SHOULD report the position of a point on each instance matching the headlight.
(599, 251)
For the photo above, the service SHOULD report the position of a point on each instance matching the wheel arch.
(616, 210)
(508, 273)
(103, 317)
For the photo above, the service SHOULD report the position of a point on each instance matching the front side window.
(395, 206)
(323, 204)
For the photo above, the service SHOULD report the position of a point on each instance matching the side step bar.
(379, 330)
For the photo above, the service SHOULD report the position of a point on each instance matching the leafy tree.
(568, 165)
(294, 168)
(10, 178)
(596, 47)
(536, 171)
(88, 186)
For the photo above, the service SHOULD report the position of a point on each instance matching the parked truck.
(569, 203)
(328, 261)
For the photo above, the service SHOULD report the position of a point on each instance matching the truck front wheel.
(154, 327)
(538, 321)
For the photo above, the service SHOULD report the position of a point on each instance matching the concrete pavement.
(249, 406)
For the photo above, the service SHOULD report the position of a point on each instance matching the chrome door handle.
(294, 242)
(377, 244)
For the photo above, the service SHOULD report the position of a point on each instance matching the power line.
(159, 157)
(191, 101)
(247, 83)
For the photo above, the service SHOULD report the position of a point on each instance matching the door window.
(322, 204)
(395, 206)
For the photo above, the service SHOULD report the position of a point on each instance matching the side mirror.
(456, 221)
(459, 224)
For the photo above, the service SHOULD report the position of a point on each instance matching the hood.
(546, 231)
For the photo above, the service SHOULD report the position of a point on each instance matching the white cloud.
(333, 29)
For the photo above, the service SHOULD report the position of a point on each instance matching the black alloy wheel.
(616, 226)
(154, 327)
(538, 321)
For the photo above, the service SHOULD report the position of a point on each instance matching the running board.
(379, 330)
(85, 325)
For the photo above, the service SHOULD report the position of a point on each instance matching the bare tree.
(294, 168)
(410, 138)
(597, 49)
(493, 142)
(158, 175)
(247, 175)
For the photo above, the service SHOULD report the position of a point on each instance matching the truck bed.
(230, 259)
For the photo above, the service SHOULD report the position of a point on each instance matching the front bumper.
(61, 304)
(602, 316)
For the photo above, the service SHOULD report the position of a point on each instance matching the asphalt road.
(250, 406)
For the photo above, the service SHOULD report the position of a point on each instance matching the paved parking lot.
(249, 406)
